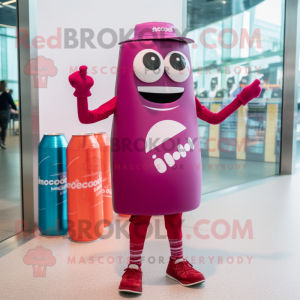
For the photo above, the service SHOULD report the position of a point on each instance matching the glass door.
(237, 42)
(10, 166)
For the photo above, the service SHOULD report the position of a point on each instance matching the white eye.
(177, 66)
(148, 65)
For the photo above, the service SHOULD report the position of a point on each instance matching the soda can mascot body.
(155, 146)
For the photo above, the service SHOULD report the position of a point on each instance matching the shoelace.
(132, 273)
(185, 265)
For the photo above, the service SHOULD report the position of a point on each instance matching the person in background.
(6, 103)
(213, 87)
(13, 115)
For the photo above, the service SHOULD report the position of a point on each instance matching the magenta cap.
(156, 31)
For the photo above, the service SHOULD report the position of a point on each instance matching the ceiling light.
(8, 2)
(4, 25)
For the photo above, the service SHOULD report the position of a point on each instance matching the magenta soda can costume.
(159, 173)
(156, 158)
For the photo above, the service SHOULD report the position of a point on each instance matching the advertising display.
(85, 197)
(53, 184)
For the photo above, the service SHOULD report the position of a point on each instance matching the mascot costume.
(155, 146)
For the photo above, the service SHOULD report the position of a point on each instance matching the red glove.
(250, 92)
(81, 82)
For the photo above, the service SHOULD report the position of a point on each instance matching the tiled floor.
(265, 266)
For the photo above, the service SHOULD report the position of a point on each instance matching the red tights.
(138, 229)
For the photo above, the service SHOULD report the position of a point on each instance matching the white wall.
(57, 105)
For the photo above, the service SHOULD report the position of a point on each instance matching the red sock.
(176, 249)
(136, 251)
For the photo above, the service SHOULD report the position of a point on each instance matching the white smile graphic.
(161, 109)
(161, 95)
(161, 89)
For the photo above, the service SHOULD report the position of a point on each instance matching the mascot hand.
(81, 82)
(250, 92)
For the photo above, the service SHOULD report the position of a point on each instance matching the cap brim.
(181, 39)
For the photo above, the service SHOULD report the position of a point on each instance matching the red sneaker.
(183, 272)
(132, 280)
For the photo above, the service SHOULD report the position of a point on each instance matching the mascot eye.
(151, 61)
(177, 66)
(148, 65)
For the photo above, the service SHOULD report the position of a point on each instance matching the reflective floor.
(262, 266)
(10, 203)
(220, 173)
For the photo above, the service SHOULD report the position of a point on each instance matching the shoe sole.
(189, 284)
(130, 291)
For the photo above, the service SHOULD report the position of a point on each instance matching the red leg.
(137, 232)
(173, 225)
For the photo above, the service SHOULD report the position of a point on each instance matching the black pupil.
(177, 61)
(151, 61)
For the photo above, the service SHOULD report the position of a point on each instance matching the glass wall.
(228, 55)
(9, 60)
(297, 162)
(10, 167)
